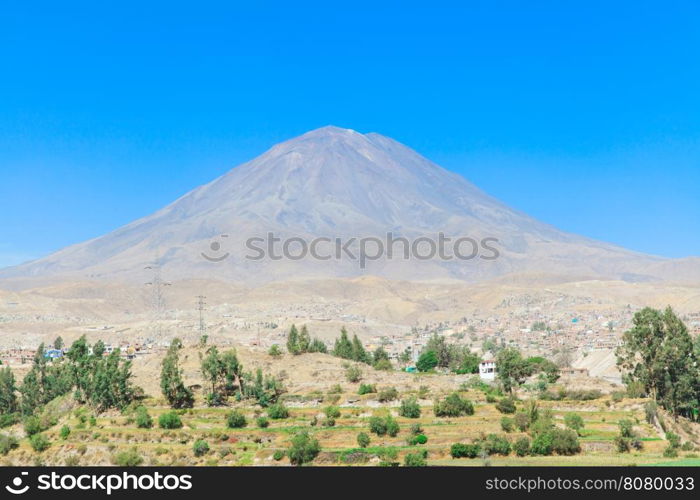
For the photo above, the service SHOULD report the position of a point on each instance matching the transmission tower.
(200, 308)
(157, 298)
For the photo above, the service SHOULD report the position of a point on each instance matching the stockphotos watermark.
(106, 483)
(360, 249)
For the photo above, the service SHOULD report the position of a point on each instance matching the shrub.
(143, 419)
(415, 460)
(416, 429)
(453, 406)
(506, 405)
(617, 396)
(363, 440)
(674, 440)
(236, 420)
(262, 422)
(7, 443)
(522, 447)
(507, 424)
(353, 373)
(39, 442)
(392, 426)
(670, 452)
(129, 458)
(332, 412)
(304, 449)
(574, 421)
(9, 419)
(200, 448)
(64, 432)
(565, 442)
(169, 420)
(522, 421)
(418, 439)
(496, 445)
(381, 426)
(384, 365)
(542, 444)
(687, 446)
(459, 450)
(278, 455)
(388, 394)
(275, 351)
(277, 411)
(366, 389)
(410, 408)
(32, 425)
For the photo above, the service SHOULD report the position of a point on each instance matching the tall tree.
(304, 340)
(293, 340)
(511, 368)
(8, 391)
(658, 353)
(343, 346)
(171, 383)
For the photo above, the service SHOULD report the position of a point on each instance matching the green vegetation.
(410, 408)
(658, 353)
(236, 420)
(303, 449)
(277, 411)
(143, 419)
(169, 420)
(453, 406)
(171, 384)
(200, 448)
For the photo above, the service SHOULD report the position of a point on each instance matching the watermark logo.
(361, 250)
(215, 247)
(17, 488)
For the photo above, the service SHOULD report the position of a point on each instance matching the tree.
(512, 370)
(427, 361)
(303, 449)
(58, 343)
(98, 349)
(8, 389)
(379, 355)
(304, 340)
(358, 351)
(343, 347)
(293, 341)
(658, 353)
(171, 383)
(469, 364)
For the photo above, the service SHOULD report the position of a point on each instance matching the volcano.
(338, 183)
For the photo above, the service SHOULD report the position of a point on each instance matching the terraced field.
(100, 440)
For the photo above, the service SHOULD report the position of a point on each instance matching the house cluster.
(21, 356)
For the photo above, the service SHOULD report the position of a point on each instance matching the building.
(53, 353)
(487, 369)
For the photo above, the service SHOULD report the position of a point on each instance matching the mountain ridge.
(334, 182)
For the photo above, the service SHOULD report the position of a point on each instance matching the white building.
(487, 369)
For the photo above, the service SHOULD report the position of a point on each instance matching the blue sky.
(585, 115)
